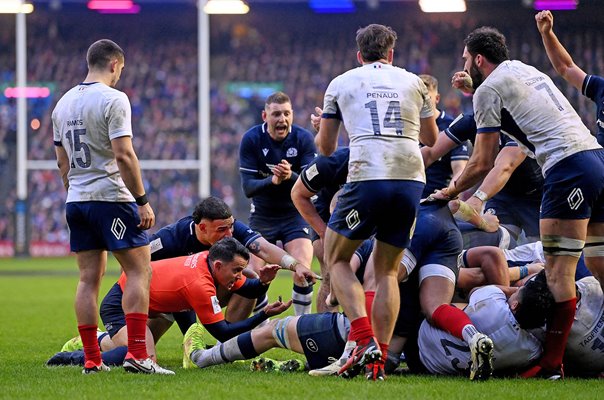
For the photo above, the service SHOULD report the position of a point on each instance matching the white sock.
(302, 296)
(468, 332)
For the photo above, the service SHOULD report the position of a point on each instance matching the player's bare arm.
(63, 164)
(127, 162)
(327, 138)
(508, 159)
(557, 54)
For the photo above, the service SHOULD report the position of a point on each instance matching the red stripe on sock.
(136, 324)
(384, 348)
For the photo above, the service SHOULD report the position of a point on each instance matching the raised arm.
(560, 58)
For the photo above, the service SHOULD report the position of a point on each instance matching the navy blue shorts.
(323, 337)
(386, 207)
(104, 225)
(574, 188)
(112, 313)
(437, 239)
(284, 229)
(522, 212)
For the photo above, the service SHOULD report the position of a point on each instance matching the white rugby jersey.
(85, 121)
(549, 129)
(525, 254)
(380, 106)
(585, 346)
(444, 354)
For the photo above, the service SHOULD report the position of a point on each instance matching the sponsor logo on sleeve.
(216, 305)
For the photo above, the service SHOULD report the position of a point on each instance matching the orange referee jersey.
(185, 283)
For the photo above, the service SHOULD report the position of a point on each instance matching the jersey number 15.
(76, 144)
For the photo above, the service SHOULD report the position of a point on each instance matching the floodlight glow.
(430, 6)
(15, 7)
(29, 92)
(226, 7)
(332, 6)
(555, 4)
(110, 4)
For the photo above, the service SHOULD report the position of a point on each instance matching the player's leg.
(276, 333)
(436, 291)
(563, 241)
(594, 250)
(296, 242)
(91, 264)
(136, 263)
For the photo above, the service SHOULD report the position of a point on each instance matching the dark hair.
(226, 249)
(374, 41)
(488, 42)
(101, 52)
(211, 208)
(430, 81)
(534, 302)
(277, 98)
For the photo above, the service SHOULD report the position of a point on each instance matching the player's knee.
(280, 333)
(556, 245)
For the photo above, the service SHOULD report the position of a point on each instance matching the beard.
(477, 77)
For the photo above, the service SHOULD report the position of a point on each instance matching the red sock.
(369, 296)
(136, 324)
(92, 352)
(384, 348)
(558, 328)
(360, 330)
(450, 319)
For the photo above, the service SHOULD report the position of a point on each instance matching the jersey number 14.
(392, 119)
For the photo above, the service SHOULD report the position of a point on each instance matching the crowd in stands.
(271, 47)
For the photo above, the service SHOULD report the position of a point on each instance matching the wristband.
(142, 200)
(523, 271)
(288, 262)
(480, 195)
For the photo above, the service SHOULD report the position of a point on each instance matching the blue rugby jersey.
(178, 239)
(258, 153)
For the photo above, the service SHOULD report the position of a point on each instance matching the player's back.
(585, 347)
(443, 353)
(381, 107)
(85, 120)
(547, 124)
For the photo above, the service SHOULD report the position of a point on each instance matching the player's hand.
(147, 216)
(442, 194)
(304, 276)
(463, 81)
(315, 119)
(267, 273)
(277, 307)
(545, 21)
(284, 170)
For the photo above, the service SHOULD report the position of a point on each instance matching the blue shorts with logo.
(285, 228)
(574, 188)
(104, 225)
(385, 207)
(323, 337)
(112, 313)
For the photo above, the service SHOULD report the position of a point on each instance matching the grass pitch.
(37, 317)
